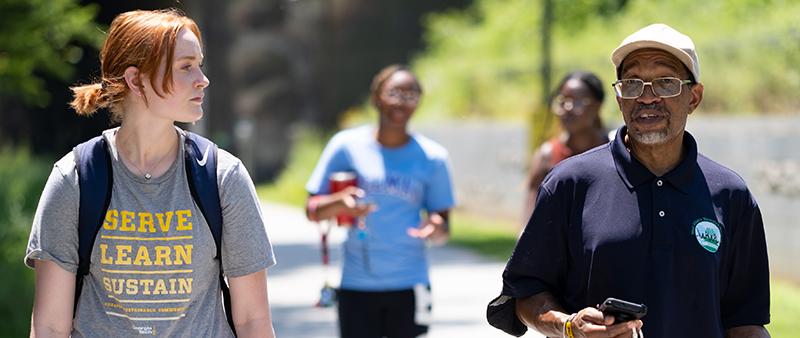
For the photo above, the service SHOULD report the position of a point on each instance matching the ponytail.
(87, 99)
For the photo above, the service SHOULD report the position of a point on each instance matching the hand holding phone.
(622, 311)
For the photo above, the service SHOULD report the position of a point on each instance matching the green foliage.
(22, 178)
(289, 188)
(483, 62)
(40, 38)
(573, 15)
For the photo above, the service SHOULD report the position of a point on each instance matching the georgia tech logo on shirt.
(708, 234)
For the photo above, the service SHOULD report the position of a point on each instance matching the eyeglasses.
(562, 104)
(403, 95)
(663, 87)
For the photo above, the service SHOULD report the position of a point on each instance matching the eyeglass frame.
(652, 90)
(405, 96)
(560, 100)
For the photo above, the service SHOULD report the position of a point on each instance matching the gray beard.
(651, 138)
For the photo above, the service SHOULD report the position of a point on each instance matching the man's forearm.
(750, 331)
(543, 313)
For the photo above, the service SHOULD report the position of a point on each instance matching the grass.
(489, 237)
(289, 187)
(785, 309)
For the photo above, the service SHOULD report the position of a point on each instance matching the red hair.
(142, 39)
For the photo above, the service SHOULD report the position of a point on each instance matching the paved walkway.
(462, 283)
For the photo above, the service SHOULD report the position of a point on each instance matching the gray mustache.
(652, 106)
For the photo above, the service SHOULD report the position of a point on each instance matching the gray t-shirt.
(152, 270)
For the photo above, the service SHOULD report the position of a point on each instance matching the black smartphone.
(622, 311)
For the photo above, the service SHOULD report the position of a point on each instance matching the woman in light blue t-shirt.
(404, 178)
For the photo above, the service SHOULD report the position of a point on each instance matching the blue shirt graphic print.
(403, 182)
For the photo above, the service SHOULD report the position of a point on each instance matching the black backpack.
(96, 180)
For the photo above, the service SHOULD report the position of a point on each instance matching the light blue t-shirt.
(402, 181)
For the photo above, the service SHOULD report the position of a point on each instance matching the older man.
(644, 219)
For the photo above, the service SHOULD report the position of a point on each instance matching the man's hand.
(543, 313)
(590, 323)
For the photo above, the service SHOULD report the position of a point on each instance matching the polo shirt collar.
(634, 173)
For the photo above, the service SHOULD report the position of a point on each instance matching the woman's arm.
(53, 301)
(319, 207)
(250, 305)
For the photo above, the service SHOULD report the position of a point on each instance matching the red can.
(338, 181)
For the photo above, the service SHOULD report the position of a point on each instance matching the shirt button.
(659, 183)
(661, 213)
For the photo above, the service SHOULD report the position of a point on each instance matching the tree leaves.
(42, 38)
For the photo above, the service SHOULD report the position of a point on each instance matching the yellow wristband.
(568, 328)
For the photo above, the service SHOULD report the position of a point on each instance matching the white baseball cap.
(663, 37)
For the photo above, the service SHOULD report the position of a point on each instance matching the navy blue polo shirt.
(690, 244)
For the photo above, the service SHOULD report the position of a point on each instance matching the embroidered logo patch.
(708, 234)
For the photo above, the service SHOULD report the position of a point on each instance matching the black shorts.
(391, 314)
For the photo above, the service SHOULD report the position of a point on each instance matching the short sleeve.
(539, 260)
(54, 233)
(439, 190)
(245, 246)
(334, 158)
(745, 300)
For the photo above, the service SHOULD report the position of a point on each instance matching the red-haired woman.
(154, 267)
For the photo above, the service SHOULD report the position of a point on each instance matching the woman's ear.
(134, 81)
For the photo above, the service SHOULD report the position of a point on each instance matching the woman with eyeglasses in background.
(576, 102)
(385, 286)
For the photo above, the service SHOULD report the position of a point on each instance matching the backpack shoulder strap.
(201, 172)
(95, 181)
